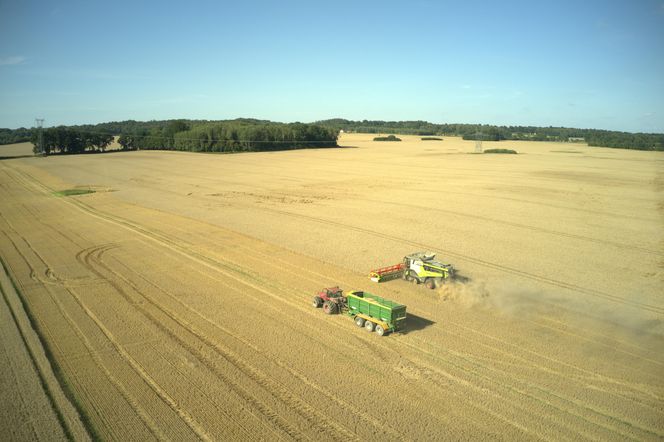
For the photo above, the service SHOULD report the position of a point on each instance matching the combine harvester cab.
(375, 313)
(419, 268)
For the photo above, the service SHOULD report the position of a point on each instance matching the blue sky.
(589, 64)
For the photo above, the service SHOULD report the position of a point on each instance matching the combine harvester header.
(386, 273)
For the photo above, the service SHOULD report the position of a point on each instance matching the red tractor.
(331, 299)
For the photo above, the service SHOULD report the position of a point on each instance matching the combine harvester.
(369, 311)
(419, 268)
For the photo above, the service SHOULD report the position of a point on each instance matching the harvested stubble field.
(174, 302)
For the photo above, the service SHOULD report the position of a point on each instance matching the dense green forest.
(594, 137)
(231, 136)
(241, 135)
(247, 134)
(11, 136)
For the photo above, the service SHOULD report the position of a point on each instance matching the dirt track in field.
(175, 301)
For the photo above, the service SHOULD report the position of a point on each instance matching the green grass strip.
(510, 151)
(73, 192)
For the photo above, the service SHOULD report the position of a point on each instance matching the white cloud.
(11, 61)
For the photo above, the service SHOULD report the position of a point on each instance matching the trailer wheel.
(329, 307)
(380, 330)
(359, 321)
(430, 283)
(369, 326)
(318, 302)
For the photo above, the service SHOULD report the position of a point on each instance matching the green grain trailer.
(375, 313)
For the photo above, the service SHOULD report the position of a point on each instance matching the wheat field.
(174, 302)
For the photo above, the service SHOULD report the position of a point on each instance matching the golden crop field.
(174, 302)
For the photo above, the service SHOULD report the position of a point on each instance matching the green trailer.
(375, 313)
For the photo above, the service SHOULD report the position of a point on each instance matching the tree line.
(246, 134)
(11, 136)
(242, 135)
(594, 137)
(64, 140)
(230, 136)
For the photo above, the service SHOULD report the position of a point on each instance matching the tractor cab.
(331, 299)
(331, 292)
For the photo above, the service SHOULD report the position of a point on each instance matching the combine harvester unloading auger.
(419, 268)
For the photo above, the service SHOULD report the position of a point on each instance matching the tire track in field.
(494, 414)
(586, 374)
(421, 183)
(562, 329)
(433, 368)
(139, 411)
(205, 261)
(195, 426)
(512, 224)
(489, 264)
(477, 261)
(34, 275)
(566, 408)
(94, 355)
(555, 362)
(160, 238)
(310, 414)
(615, 244)
(310, 337)
(130, 400)
(581, 379)
(318, 220)
(424, 366)
(14, 372)
(252, 373)
(491, 369)
(566, 399)
(585, 335)
(556, 206)
(356, 411)
(92, 259)
(306, 411)
(298, 272)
